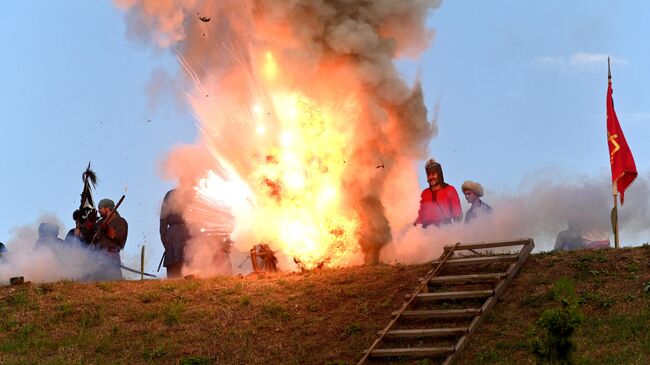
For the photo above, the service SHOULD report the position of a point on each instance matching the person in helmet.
(439, 203)
(110, 240)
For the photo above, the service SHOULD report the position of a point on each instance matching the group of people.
(103, 231)
(440, 204)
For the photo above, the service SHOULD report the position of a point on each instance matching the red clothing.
(439, 206)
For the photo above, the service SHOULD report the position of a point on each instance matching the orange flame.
(295, 188)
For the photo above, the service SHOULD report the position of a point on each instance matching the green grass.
(275, 310)
(173, 312)
(313, 318)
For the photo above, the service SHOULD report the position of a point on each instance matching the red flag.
(620, 157)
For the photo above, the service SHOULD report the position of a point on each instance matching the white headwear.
(474, 187)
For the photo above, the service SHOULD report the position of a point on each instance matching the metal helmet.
(433, 165)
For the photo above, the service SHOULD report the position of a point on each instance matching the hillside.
(319, 317)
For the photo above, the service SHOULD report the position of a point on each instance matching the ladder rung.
(414, 351)
(439, 313)
(426, 332)
(453, 295)
(480, 260)
(468, 278)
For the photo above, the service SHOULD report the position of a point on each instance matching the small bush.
(552, 334)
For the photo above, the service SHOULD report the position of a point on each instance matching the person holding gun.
(110, 239)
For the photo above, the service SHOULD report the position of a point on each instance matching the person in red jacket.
(439, 203)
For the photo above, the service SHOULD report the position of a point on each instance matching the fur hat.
(474, 187)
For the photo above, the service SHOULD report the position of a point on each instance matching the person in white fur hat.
(473, 192)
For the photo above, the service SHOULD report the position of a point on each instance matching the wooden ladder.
(437, 320)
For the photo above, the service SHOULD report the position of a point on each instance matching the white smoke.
(539, 211)
(45, 263)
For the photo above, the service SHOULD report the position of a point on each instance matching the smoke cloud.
(337, 52)
(45, 263)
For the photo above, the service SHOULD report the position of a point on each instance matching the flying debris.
(382, 164)
(204, 19)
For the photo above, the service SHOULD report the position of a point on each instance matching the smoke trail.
(339, 52)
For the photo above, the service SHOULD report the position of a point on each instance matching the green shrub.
(551, 340)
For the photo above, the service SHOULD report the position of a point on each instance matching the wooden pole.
(142, 263)
(615, 219)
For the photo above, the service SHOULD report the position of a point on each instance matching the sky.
(519, 89)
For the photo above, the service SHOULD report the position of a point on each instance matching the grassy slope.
(616, 327)
(326, 316)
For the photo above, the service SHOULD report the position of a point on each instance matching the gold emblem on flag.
(612, 139)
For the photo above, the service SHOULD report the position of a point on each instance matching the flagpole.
(614, 215)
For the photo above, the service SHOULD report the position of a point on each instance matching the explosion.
(303, 113)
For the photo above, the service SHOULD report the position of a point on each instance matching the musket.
(108, 218)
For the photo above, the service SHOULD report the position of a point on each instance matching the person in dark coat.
(48, 236)
(111, 239)
(174, 232)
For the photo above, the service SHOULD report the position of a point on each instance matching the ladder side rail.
(483, 245)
